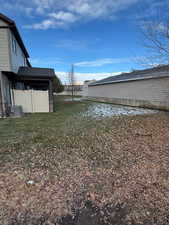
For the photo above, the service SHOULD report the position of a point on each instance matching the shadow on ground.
(89, 214)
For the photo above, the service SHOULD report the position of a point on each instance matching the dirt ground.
(87, 172)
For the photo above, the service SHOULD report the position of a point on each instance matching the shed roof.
(156, 72)
(15, 31)
(36, 72)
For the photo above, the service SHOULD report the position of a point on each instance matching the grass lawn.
(54, 165)
(36, 123)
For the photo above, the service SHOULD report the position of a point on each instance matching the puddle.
(99, 110)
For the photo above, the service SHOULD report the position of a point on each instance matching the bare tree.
(156, 41)
(71, 81)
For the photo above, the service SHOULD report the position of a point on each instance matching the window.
(14, 45)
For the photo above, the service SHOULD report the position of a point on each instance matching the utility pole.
(72, 81)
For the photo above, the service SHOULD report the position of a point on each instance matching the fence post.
(50, 96)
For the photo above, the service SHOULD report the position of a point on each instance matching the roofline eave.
(129, 80)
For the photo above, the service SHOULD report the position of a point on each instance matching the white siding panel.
(149, 90)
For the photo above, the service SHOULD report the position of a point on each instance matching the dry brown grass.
(122, 160)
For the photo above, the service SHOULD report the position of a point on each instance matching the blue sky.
(101, 37)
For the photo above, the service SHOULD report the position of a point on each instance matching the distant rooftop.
(160, 71)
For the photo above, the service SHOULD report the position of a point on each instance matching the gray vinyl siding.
(1, 97)
(9, 61)
(145, 90)
(2, 23)
(17, 58)
(6, 90)
(4, 48)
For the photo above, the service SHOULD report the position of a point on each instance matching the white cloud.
(151, 9)
(81, 77)
(57, 13)
(63, 13)
(64, 16)
(45, 24)
(102, 62)
(71, 44)
(99, 8)
(47, 62)
(8, 6)
(153, 26)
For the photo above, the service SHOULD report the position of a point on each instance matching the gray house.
(20, 83)
(142, 88)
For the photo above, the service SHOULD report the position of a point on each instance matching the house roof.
(156, 72)
(15, 31)
(36, 72)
